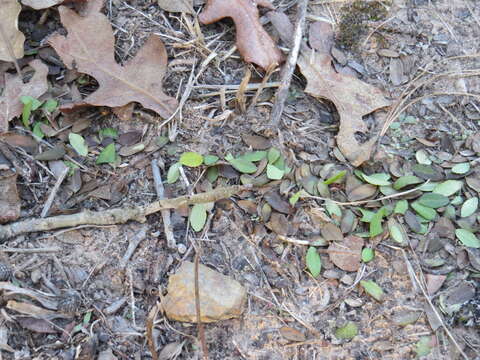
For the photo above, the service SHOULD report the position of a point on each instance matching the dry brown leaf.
(353, 99)
(11, 39)
(10, 104)
(346, 254)
(9, 199)
(185, 6)
(253, 42)
(89, 48)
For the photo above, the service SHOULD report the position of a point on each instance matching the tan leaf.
(353, 99)
(10, 104)
(346, 254)
(11, 39)
(9, 199)
(185, 6)
(89, 48)
(41, 4)
(253, 42)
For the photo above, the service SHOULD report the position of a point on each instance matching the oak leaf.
(253, 42)
(89, 48)
(44, 4)
(10, 104)
(11, 39)
(346, 254)
(352, 97)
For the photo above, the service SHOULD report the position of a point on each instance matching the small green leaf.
(173, 173)
(78, 143)
(254, 156)
(469, 207)
(422, 157)
(191, 159)
(467, 238)
(72, 167)
(461, 168)
(108, 155)
(448, 188)
(335, 177)
(423, 211)
(108, 132)
(86, 318)
(314, 263)
(380, 179)
(347, 332)
(332, 208)
(161, 141)
(407, 180)
(433, 200)
(198, 217)
(423, 346)
(210, 159)
(280, 163)
(37, 130)
(274, 173)
(212, 174)
(273, 155)
(397, 232)
(50, 105)
(244, 166)
(295, 197)
(367, 255)
(400, 207)
(376, 223)
(367, 215)
(372, 289)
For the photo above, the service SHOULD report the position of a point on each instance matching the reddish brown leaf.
(89, 47)
(10, 104)
(353, 99)
(346, 254)
(253, 42)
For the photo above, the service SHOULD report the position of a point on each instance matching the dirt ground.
(113, 297)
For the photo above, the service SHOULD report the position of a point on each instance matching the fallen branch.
(115, 216)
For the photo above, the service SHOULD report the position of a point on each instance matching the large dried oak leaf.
(89, 48)
(11, 39)
(353, 99)
(10, 104)
(253, 42)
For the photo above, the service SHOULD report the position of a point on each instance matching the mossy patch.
(356, 15)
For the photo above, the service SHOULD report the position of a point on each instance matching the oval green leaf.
(314, 263)
(210, 159)
(274, 173)
(78, 143)
(401, 207)
(173, 173)
(244, 166)
(108, 155)
(423, 211)
(433, 200)
(273, 155)
(469, 207)
(372, 289)
(254, 156)
(212, 174)
(467, 238)
(462, 168)
(367, 255)
(191, 159)
(448, 188)
(380, 179)
(407, 180)
(347, 332)
(198, 217)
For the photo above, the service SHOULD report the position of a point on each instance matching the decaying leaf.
(9, 199)
(11, 39)
(185, 6)
(89, 48)
(41, 4)
(353, 99)
(10, 104)
(253, 42)
(346, 254)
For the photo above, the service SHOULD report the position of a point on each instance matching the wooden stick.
(53, 193)
(167, 224)
(282, 91)
(115, 216)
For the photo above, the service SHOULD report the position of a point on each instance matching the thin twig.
(201, 330)
(367, 201)
(167, 224)
(30, 251)
(132, 246)
(282, 92)
(116, 216)
(53, 193)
